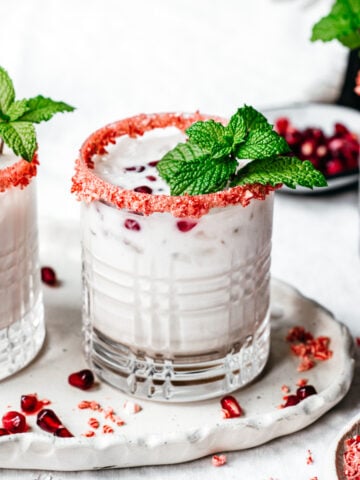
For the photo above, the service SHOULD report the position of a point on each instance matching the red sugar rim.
(89, 187)
(19, 174)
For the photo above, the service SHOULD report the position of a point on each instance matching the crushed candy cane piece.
(285, 389)
(305, 364)
(95, 406)
(309, 458)
(108, 413)
(89, 433)
(84, 404)
(218, 460)
(131, 407)
(93, 422)
(107, 429)
(302, 382)
(118, 421)
(352, 458)
(308, 348)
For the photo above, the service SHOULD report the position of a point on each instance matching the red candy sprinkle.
(48, 276)
(231, 405)
(131, 224)
(14, 422)
(185, 225)
(84, 379)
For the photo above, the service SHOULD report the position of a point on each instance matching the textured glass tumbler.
(22, 329)
(176, 309)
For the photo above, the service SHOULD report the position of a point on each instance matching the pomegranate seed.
(14, 422)
(48, 276)
(291, 400)
(334, 167)
(307, 148)
(143, 189)
(321, 151)
(340, 129)
(314, 134)
(281, 125)
(231, 405)
(305, 391)
(131, 224)
(63, 432)
(335, 145)
(3, 431)
(154, 163)
(47, 420)
(84, 379)
(185, 225)
(138, 169)
(29, 403)
(151, 178)
(293, 137)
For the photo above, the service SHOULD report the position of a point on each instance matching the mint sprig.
(342, 24)
(208, 161)
(17, 117)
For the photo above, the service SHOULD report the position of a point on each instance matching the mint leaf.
(211, 136)
(42, 109)
(253, 119)
(7, 92)
(20, 137)
(17, 109)
(185, 152)
(288, 170)
(197, 177)
(342, 23)
(262, 143)
(237, 127)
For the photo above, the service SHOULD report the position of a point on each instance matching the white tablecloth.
(117, 58)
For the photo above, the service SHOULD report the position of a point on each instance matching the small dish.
(322, 116)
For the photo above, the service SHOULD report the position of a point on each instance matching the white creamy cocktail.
(176, 289)
(21, 310)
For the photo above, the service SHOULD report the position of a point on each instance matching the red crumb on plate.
(107, 429)
(308, 348)
(218, 460)
(93, 422)
(89, 433)
(302, 382)
(309, 458)
(285, 389)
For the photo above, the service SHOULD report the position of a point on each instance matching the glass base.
(176, 381)
(21, 341)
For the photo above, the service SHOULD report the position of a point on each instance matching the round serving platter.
(161, 433)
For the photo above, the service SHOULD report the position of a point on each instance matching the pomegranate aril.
(291, 400)
(48, 420)
(321, 151)
(231, 405)
(63, 432)
(334, 167)
(48, 276)
(138, 168)
(143, 189)
(3, 432)
(84, 379)
(153, 163)
(14, 422)
(131, 224)
(340, 129)
(151, 178)
(29, 403)
(308, 148)
(185, 225)
(293, 137)
(315, 134)
(281, 125)
(305, 391)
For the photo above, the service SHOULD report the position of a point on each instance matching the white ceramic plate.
(161, 433)
(322, 116)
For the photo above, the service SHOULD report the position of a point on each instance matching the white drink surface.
(160, 287)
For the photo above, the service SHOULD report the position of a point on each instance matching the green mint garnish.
(208, 161)
(342, 24)
(17, 117)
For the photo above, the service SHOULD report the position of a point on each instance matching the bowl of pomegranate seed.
(327, 135)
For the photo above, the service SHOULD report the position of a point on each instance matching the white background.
(113, 58)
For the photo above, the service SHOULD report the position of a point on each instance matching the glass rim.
(19, 174)
(88, 186)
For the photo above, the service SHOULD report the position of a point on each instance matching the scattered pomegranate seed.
(290, 401)
(47, 420)
(14, 422)
(131, 224)
(334, 167)
(151, 178)
(138, 168)
(29, 403)
(63, 432)
(231, 405)
(84, 379)
(298, 334)
(143, 189)
(48, 276)
(3, 431)
(154, 163)
(185, 225)
(281, 125)
(218, 460)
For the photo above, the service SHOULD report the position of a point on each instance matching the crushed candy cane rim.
(89, 187)
(18, 174)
